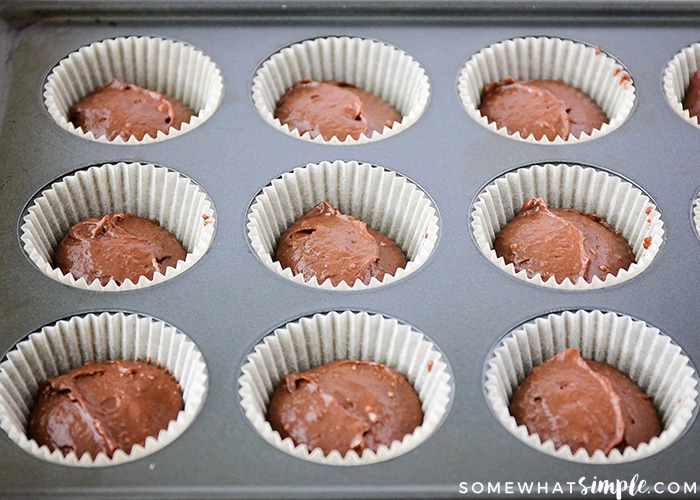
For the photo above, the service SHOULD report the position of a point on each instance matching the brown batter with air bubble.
(333, 108)
(117, 247)
(345, 405)
(541, 108)
(328, 244)
(104, 407)
(562, 242)
(584, 404)
(121, 109)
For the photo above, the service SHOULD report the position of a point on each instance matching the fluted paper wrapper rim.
(175, 201)
(384, 199)
(676, 79)
(618, 201)
(580, 65)
(325, 337)
(696, 214)
(173, 68)
(68, 344)
(651, 359)
(372, 65)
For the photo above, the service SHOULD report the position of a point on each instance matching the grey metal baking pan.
(229, 300)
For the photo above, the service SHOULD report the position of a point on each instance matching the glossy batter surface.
(331, 245)
(121, 109)
(103, 407)
(562, 242)
(642, 421)
(564, 400)
(691, 102)
(542, 108)
(345, 405)
(584, 404)
(334, 108)
(117, 246)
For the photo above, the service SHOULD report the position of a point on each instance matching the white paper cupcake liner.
(676, 79)
(650, 358)
(322, 338)
(696, 214)
(582, 66)
(176, 202)
(385, 200)
(371, 65)
(623, 205)
(173, 68)
(68, 344)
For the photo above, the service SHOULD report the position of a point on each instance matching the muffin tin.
(228, 301)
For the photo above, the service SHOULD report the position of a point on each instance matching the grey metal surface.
(228, 301)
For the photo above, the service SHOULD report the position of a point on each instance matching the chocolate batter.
(345, 405)
(334, 108)
(121, 109)
(562, 242)
(641, 418)
(691, 102)
(543, 108)
(104, 407)
(331, 245)
(584, 404)
(117, 246)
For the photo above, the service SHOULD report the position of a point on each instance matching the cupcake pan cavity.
(322, 338)
(434, 173)
(620, 203)
(585, 67)
(650, 358)
(58, 348)
(384, 200)
(677, 76)
(372, 65)
(171, 67)
(174, 201)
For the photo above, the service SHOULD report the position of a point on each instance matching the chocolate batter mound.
(331, 245)
(691, 102)
(333, 108)
(103, 407)
(641, 418)
(584, 404)
(121, 109)
(543, 108)
(562, 242)
(345, 405)
(117, 246)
